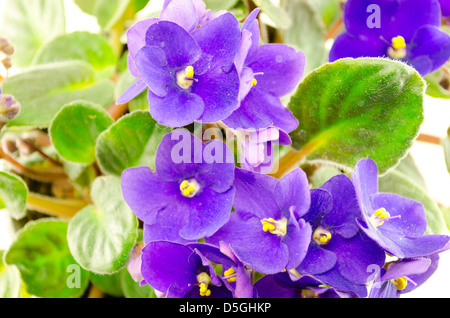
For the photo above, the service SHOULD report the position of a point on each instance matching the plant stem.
(334, 30)
(293, 158)
(40, 175)
(117, 110)
(429, 139)
(64, 208)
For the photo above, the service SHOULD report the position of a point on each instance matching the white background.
(428, 157)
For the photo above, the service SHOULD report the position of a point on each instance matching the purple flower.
(179, 271)
(256, 148)
(267, 72)
(190, 76)
(9, 107)
(281, 286)
(266, 232)
(190, 193)
(407, 30)
(403, 276)
(396, 223)
(445, 7)
(339, 253)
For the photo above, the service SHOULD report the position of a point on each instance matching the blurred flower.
(407, 30)
(445, 7)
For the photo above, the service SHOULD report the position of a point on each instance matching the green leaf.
(85, 46)
(109, 284)
(217, 5)
(306, 33)
(43, 258)
(13, 195)
(357, 108)
(101, 236)
(10, 281)
(438, 84)
(49, 87)
(329, 10)
(132, 141)
(75, 129)
(109, 12)
(30, 24)
(404, 181)
(276, 14)
(133, 289)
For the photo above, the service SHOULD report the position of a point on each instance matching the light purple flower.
(257, 148)
(190, 193)
(396, 223)
(267, 73)
(407, 30)
(266, 232)
(190, 76)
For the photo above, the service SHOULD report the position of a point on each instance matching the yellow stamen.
(204, 280)
(189, 188)
(398, 42)
(321, 236)
(378, 216)
(230, 272)
(401, 283)
(275, 227)
(254, 82)
(185, 77)
(308, 293)
(397, 50)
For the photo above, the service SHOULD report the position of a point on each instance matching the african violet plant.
(221, 149)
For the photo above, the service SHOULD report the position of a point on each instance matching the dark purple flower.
(445, 7)
(407, 30)
(267, 72)
(281, 286)
(190, 193)
(339, 253)
(396, 223)
(266, 232)
(190, 76)
(403, 276)
(179, 271)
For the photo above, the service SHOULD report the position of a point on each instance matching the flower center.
(204, 280)
(185, 78)
(321, 236)
(230, 275)
(380, 216)
(397, 50)
(254, 82)
(189, 188)
(275, 227)
(400, 283)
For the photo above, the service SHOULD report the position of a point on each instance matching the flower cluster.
(203, 67)
(212, 229)
(406, 30)
(200, 211)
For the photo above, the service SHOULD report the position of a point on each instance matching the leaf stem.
(64, 208)
(41, 175)
(334, 30)
(429, 139)
(293, 158)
